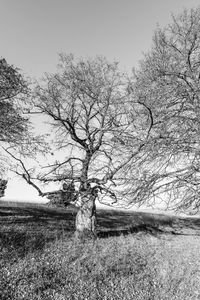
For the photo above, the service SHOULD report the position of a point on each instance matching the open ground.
(137, 255)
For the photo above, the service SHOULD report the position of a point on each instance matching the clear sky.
(33, 32)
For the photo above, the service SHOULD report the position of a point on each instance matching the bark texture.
(86, 216)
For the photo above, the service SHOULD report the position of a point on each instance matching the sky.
(33, 32)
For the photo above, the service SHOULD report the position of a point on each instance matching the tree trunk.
(86, 217)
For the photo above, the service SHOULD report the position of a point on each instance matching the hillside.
(109, 222)
(137, 255)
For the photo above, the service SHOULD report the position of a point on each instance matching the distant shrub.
(64, 196)
(3, 186)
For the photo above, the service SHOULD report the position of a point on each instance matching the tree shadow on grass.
(29, 229)
(18, 241)
(115, 223)
(143, 228)
(37, 212)
(122, 223)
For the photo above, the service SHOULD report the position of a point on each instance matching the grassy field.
(136, 255)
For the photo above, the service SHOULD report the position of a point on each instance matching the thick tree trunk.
(86, 217)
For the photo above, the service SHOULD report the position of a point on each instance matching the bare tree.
(13, 126)
(12, 88)
(167, 84)
(88, 108)
(130, 141)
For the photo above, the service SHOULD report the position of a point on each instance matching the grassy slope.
(39, 258)
(109, 222)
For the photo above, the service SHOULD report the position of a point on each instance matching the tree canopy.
(13, 125)
(125, 140)
(88, 106)
(167, 82)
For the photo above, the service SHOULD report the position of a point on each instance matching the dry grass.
(139, 267)
(40, 259)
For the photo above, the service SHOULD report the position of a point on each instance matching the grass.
(136, 256)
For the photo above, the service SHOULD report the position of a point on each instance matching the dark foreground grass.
(40, 259)
(131, 267)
